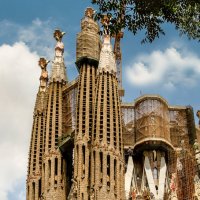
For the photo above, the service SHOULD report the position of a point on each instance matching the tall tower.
(107, 169)
(52, 169)
(88, 48)
(34, 184)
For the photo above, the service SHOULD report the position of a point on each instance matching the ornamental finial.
(58, 35)
(44, 74)
(105, 22)
(58, 73)
(59, 48)
(107, 58)
(43, 63)
(89, 12)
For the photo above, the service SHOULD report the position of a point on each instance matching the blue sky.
(170, 66)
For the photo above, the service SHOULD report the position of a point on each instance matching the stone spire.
(58, 73)
(107, 162)
(107, 57)
(88, 42)
(53, 184)
(88, 48)
(34, 179)
(41, 99)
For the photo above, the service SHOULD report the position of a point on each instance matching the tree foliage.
(149, 15)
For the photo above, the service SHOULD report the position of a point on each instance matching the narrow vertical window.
(83, 150)
(49, 168)
(115, 174)
(61, 165)
(44, 173)
(108, 172)
(115, 163)
(101, 161)
(33, 190)
(28, 192)
(39, 188)
(77, 154)
(83, 161)
(108, 165)
(56, 166)
(94, 156)
(89, 170)
(101, 167)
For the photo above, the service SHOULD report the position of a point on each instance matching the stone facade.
(86, 144)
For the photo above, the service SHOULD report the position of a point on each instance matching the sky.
(170, 67)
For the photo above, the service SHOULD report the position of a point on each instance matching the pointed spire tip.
(58, 35)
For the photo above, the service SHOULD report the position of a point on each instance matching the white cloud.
(19, 80)
(168, 68)
(38, 35)
(21, 195)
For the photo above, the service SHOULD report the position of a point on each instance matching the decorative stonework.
(89, 12)
(88, 40)
(41, 100)
(41, 103)
(58, 67)
(44, 74)
(107, 58)
(89, 163)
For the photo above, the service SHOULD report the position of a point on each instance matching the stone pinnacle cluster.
(87, 144)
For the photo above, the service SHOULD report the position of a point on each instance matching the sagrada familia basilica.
(87, 144)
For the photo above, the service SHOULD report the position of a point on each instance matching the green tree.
(149, 15)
